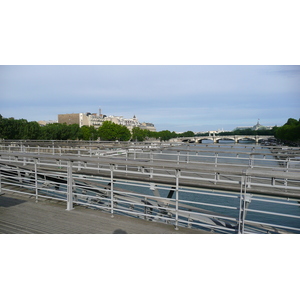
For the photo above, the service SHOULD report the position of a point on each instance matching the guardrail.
(214, 156)
(215, 195)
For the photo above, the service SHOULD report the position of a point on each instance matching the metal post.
(127, 154)
(240, 225)
(251, 161)
(243, 204)
(69, 186)
(217, 177)
(216, 159)
(145, 208)
(151, 169)
(287, 164)
(245, 200)
(177, 198)
(112, 189)
(19, 175)
(36, 181)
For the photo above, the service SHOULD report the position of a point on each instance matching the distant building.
(80, 119)
(129, 123)
(147, 126)
(209, 132)
(44, 123)
(257, 126)
(96, 120)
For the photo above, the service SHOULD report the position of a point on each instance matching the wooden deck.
(22, 215)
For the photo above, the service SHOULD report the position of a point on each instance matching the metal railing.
(214, 156)
(177, 191)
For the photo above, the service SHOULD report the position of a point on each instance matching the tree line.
(21, 129)
(289, 132)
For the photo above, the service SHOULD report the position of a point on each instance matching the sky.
(173, 97)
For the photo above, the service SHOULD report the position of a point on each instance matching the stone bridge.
(216, 139)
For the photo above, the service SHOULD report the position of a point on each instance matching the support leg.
(69, 186)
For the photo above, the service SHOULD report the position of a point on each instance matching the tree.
(74, 131)
(188, 134)
(7, 130)
(107, 131)
(290, 131)
(88, 133)
(165, 135)
(123, 133)
(139, 134)
(292, 122)
(48, 132)
(110, 131)
(33, 130)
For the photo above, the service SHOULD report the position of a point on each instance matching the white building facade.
(96, 120)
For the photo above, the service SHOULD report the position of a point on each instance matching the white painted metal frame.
(66, 167)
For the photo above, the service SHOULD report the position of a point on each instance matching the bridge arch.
(186, 140)
(205, 138)
(246, 138)
(222, 138)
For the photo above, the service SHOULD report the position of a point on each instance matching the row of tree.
(22, 129)
(11, 128)
(139, 134)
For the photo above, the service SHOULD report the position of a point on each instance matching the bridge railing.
(181, 195)
(217, 138)
(219, 158)
(215, 157)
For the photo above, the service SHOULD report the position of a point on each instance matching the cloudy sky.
(176, 98)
